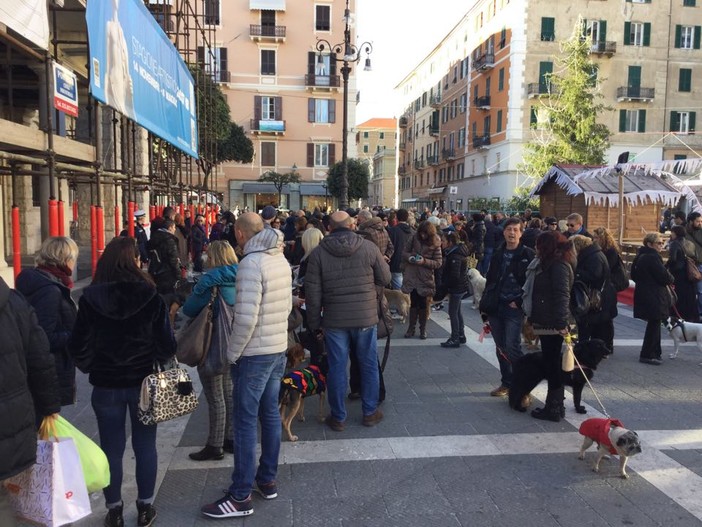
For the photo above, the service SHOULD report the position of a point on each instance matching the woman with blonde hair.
(47, 288)
(222, 267)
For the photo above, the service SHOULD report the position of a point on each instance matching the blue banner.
(135, 69)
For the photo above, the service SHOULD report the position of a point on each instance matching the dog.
(296, 385)
(611, 438)
(531, 339)
(477, 281)
(400, 301)
(681, 331)
(529, 371)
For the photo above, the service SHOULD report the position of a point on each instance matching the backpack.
(618, 276)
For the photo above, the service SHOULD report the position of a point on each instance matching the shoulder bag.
(693, 272)
(165, 395)
(585, 299)
(193, 341)
(215, 362)
(618, 276)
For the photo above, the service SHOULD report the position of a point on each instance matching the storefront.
(256, 195)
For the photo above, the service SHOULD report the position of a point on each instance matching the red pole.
(152, 212)
(61, 220)
(75, 211)
(16, 247)
(130, 218)
(207, 222)
(192, 213)
(93, 238)
(100, 231)
(180, 209)
(53, 218)
(118, 222)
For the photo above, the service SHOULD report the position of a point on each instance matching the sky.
(402, 32)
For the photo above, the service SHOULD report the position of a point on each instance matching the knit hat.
(269, 212)
(550, 220)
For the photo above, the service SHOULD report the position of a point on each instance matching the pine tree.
(569, 131)
(358, 174)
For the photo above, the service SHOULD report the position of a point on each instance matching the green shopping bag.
(96, 469)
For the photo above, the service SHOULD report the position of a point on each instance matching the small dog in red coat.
(611, 438)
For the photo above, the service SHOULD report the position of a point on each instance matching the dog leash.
(569, 341)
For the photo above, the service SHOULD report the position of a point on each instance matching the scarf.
(533, 269)
(62, 272)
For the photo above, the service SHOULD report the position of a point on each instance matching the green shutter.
(622, 120)
(647, 34)
(545, 70)
(603, 30)
(642, 121)
(634, 77)
(674, 122)
(501, 80)
(685, 80)
(533, 117)
(627, 33)
(688, 3)
(678, 35)
(499, 121)
(548, 25)
(691, 127)
(696, 41)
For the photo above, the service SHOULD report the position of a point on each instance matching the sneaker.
(373, 419)
(146, 514)
(451, 343)
(268, 491)
(228, 507)
(500, 391)
(114, 517)
(335, 425)
(462, 339)
(655, 362)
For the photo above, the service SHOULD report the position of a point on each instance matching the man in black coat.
(28, 387)
(400, 234)
(164, 263)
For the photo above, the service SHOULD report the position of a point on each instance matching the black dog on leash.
(529, 371)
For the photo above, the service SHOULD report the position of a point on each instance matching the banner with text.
(135, 69)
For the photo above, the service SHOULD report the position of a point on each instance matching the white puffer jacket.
(263, 298)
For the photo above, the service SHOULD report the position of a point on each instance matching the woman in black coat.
(548, 309)
(47, 288)
(592, 269)
(678, 249)
(652, 300)
(454, 281)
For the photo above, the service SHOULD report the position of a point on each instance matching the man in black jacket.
(400, 234)
(28, 392)
(502, 300)
(164, 263)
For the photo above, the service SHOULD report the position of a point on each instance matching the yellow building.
(375, 143)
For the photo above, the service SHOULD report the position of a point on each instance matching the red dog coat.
(598, 430)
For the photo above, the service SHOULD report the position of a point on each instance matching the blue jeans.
(484, 264)
(110, 406)
(256, 385)
(456, 315)
(396, 282)
(506, 330)
(364, 343)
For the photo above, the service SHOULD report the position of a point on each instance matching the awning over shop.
(274, 5)
(437, 190)
(261, 188)
(410, 200)
(313, 190)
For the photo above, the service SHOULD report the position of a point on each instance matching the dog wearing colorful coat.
(611, 438)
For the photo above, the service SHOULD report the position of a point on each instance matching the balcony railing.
(635, 93)
(434, 130)
(402, 170)
(604, 48)
(482, 102)
(403, 122)
(449, 154)
(418, 163)
(433, 160)
(481, 141)
(534, 89)
(435, 101)
(484, 62)
(266, 126)
(321, 81)
(259, 32)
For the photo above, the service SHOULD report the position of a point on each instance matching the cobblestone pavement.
(448, 454)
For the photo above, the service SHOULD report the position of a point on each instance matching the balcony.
(267, 126)
(433, 160)
(484, 62)
(449, 154)
(259, 33)
(321, 82)
(608, 48)
(481, 142)
(548, 36)
(402, 170)
(419, 164)
(537, 89)
(403, 122)
(435, 101)
(434, 131)
(635, 93)
(402, 145)
(482, 103)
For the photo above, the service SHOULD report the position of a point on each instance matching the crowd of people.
(340, 265)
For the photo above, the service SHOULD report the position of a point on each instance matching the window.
(320, 154)
(687, 37)
(321, 110)
(688, 3)
(637, 33)
(215, 63)
(548, 32)
(685, 80)
(545, 71)
(488, 85)
(365, 135)
(212, 15)
(501, 79)
(267, 154)
(682, 122)
(461, 138)
(499, 121)
(460, 171)
(381, 135)
(486, 125)
(268, 108)
(322, 19)
(503, 37)
(267, 62)
(632, 121)
(365, 149)
(464, 103)
(595, 30)
(267, 23)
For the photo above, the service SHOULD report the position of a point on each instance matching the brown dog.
(296, 385)
(398, 300)
(530, 338)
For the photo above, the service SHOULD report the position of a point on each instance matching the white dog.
(681, 331)
(478, 282)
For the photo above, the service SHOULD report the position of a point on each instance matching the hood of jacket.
(586, 252)
(30, 281)
(404, 227)
(460, 249)
(119, 300)
(373, 223)
(224, 275)
(268, 241)
(342, 242)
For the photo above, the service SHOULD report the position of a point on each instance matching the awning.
(259, 188)
(437, 190)
(410, 200)
(313, 190)
(273, 5)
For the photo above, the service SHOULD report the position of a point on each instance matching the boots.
(553, 410)
(423, 316)
(207, 453)
(412, 322)
(114, 517)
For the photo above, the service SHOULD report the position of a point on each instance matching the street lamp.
(348, 53)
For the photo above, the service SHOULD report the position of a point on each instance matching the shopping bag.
(96, 468)
(51, 492)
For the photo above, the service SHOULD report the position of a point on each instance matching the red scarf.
(62, 272)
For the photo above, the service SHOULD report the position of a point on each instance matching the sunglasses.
(571, 225)
(660, 243)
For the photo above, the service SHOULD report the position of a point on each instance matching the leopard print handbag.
(165, 395)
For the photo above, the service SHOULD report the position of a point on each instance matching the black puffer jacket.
(550, 307)
(122, 328)
(56, 312)
(651, 299)
(518, 267)
(593, 270)
(454, 278)
(28, 384)
(342, 275)
(476, 237)
(164, 263)
(400, 234)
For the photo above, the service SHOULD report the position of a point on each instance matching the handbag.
(472, 261)
(693, 272)
(194, 339)
(585, 299)
(51, 492)
(165, 395)
(216, 362)
(618, 276)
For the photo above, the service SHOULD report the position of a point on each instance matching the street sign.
(65, 90)
(453, 190)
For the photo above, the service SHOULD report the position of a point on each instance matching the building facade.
(375, 144)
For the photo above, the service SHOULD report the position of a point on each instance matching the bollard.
(61, 219)
(93, 238)
(100, 217)
(53, 218)
(130, 218)
(16, 242)
(118, 222)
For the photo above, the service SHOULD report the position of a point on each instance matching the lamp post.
(349, 53)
